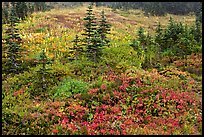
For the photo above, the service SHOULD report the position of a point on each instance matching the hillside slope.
(115, 96)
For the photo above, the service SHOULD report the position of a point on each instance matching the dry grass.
(126, 20)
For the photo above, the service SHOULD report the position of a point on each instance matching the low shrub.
(69, 86)
(121, 57)
(87, 70)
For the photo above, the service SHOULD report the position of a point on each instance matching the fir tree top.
(90, 25)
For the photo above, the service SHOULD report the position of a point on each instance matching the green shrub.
(56, 73)
(15, 106)
(31, 80)
(100, 81)
(69, 87)
(87, 70)
(121, 57)
(40, 30)
(12, 84)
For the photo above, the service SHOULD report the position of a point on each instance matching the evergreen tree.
(37, 6)
(104, 28)
(149, 38)
(21, 10)
(159, 36)
(142, 37)
(40, 6)
(170, 35)
(150, 51)
(198, 13)
(95, 50)
(158, 33)
(43, 6)
(198, 32)
(30, 7)
(5, 13)
(41, 83)
(90, 26)
(90, 31)
(12, 49)
(13, 10)
(77, 49)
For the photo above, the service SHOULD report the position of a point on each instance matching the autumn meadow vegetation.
(92, 69)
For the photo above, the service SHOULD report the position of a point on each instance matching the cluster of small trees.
(11, 46)
(94, 36)
(176, 39)
(12, 51)
(91, 45)
(21, 9)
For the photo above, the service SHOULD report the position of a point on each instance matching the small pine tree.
(37, 6)
(104, 28)
(77, 49)
(13, 12)
(40, 6)
(151, 51)
(170, 35)
(95, 50)
(148, 39)
(158, 34)
(142, 37)
(42, 75)
(30, 8)
(198, 32)
(21, 10)
(5, 13)
(198, 13)
(90, 26)
(12, 49)
(43, 6)
(171, 30)
(90, 30)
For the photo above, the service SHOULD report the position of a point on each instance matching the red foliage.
(55, 130)
(154, 109)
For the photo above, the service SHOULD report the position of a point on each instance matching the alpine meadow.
(101, 68)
